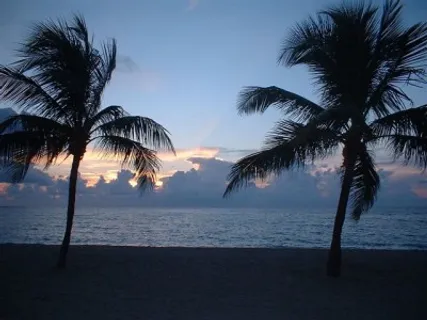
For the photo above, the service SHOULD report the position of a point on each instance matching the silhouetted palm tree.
(358, 57)
(58, 83)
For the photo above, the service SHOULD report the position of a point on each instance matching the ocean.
(403, 228)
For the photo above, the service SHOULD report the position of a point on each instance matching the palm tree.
(358, 56)
(58, 83)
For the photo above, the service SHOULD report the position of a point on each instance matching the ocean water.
(203, 227)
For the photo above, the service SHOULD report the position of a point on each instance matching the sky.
(182, 63)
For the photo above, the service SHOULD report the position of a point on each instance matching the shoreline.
(21, 244)
(344, 249)
(112, 282)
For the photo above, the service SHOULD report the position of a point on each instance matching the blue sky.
(183, 62)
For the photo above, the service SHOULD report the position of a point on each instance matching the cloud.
(126, 64)
(196, 177)
(34, 176)
(131, 76)
(92, 166)
(203, 185)
(234, 154)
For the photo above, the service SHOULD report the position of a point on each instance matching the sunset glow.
(194, 100)
(3, 188)
(159, 183)
(420, 192)
(93, 166)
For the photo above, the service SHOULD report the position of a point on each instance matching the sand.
(201, 283)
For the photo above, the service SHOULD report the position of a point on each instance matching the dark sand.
(180, 283)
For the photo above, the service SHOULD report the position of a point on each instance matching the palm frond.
(404, 133)
(104, 116)
(305, 42)
(81, 32)
(29, 95)
(310, 141)
(59, 59)
(358, 57)
(410, 51)
(336, 46)
(390, 23)
(260, 165)
(258, 99)
(103, 73)
(412, 149)
(32, 123)
(365, 184)
(412, 121)
(401, 57)
(102, 64)
(289, 145)
(144, 130)
(132, 155)
(386, 98)
(20, 149)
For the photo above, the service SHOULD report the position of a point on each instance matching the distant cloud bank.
(197, 178)
(203, 186)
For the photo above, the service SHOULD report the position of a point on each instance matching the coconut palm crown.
(58, 82)
(360, 58)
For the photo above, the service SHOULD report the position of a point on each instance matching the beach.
(104, 282)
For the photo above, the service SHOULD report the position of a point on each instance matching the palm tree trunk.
(70, 212)
(333, 268)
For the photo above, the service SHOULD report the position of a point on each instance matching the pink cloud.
(3, 188)
(420, 192)
(92, 167)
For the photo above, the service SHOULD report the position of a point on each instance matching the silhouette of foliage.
(360, 59)
(57, 82)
